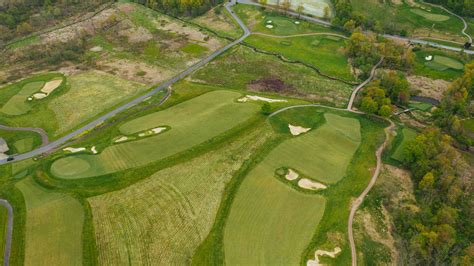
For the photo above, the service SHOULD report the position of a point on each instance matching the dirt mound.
(271, 84)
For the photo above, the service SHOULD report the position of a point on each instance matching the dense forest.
(180, 7)
(22, 17)
(462, 7)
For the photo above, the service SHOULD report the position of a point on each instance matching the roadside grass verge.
(171, 211)
(319, 51)
(196, 124)
(241, 68)
(54, 224)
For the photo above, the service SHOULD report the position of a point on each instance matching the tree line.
(180, 7)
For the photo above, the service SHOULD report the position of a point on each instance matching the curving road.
(161, 87)
(40, 131)
(8, 237)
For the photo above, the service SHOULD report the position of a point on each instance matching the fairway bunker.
(259, 98)
(311, 185)
(47, 89)
(297, 130)
(291, 175)
(319, 252)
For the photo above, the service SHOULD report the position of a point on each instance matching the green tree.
(369, 105)
(266, 109)
(385, 111)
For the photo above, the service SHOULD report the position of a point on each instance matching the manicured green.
(439, 66)
(329, 55)
(192, 122)
(430, 16)
(421, 106)
(17, 105)
(53, 230)
(408, 135)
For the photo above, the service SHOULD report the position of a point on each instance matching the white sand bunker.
(96, 49)
(269, 26)
(297, 22)
(94, 150)
(429, 58)
(291, 175)
(152, 131)
(319, 252)
(48, 88)
(309, 184)
(297, 130)
(258, 98)
(121, 139)
(74, 150)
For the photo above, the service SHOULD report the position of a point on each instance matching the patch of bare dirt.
(216, 21)
(192, 34)
(136, 71)
(433, 88)
(271, 84)
(136, 35)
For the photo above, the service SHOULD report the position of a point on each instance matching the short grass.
(90, 94)
(195, 49)
(269, 222)
(18, 105)
(425, 107)
(170, 213)
(429, 21)
(24, 145)
(408, 135)
(256, 19)
(241, 66)
(323, 52)
(53, 230)
(322, 154)
(192, 122)
(436, 69)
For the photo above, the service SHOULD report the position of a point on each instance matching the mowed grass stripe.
(190, 126)
(54, 224)
(164, 218)
(270, 223)
(17, 105)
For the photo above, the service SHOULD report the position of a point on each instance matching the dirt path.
(299, 35)
(40, 131)
(358, 88)
(360, 199)
(8, 237)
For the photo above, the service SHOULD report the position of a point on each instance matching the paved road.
(8, 237)
(357, 89)
(161, 87)
(40, 131)
(394, 37)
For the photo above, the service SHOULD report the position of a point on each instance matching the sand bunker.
(297, 22)
(48, 88)
(319, 252)
(291, 175)
(258, 98)
(429, 58)
(297, 130)
(94, 150)
(74, 150)
(96, 49)
(309, 184)
(269, 26)
(152, 131)
(121, 139)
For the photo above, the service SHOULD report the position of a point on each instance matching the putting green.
(192, 123)
(53, 229)
(17, 105)
(429, 16)
(448, 62)
(71, 165)
(270, 223)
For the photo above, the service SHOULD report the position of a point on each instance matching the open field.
(408, 135)
(90, 94)
(164, 218)
(242, 68)
(192, 122)
(264, 225)
(443, 64)
(53, 226)
(323, 52)
(417, 19)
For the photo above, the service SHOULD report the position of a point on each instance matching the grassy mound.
(53, 226)
(192, 122)
(408, 135)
